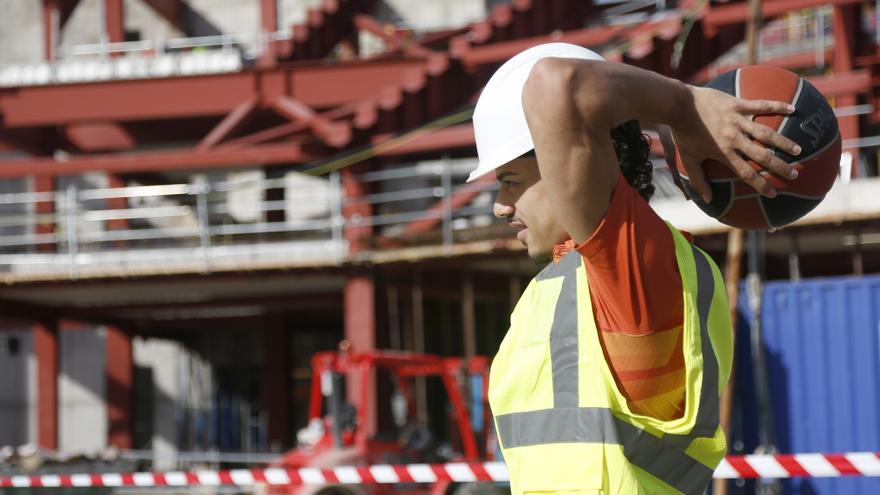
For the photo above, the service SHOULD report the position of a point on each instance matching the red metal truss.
(55, 14)
(315, 85)
(290, 113)
(326, 26)
(738, 13)
(159, 161)
(240, 107)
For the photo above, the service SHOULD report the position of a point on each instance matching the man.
(609, 378)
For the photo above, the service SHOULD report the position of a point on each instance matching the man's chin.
(538, 254)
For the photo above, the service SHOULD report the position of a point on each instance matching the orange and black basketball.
(813, 126)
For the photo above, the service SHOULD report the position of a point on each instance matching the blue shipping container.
(822, 348)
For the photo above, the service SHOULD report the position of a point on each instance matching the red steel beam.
(358, 236)
(115, 181)
(360, 331)
(272, 133)
(846, 22)
(229, 124)
(120, 388)
(45, 342)
(737, 13)
(791, 62)
(501, 51)
(364, 22)
(55, 15)
(268, 24)
(317, 86)
(458, 200)
(44, 183)
(169, 10)
(333, 134)
(459, 136)
(844, 85)
(114, 21)
(99, 136)
(51, 18)
(286, 129)
(156, 161)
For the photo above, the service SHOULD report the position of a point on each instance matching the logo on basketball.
(818, 124)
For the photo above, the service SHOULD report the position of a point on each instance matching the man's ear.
(665, 133)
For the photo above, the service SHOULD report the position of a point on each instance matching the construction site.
(221, 220)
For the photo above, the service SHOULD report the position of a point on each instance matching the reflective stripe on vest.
(663, 458)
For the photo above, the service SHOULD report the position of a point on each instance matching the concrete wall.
(162, 357)
(421, 15)
(82, 413)
(18, 389)
(21, 32)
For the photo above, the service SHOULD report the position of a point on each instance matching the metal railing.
(207, 225)
(806, 31)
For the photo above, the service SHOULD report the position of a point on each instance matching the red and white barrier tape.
(749, 466)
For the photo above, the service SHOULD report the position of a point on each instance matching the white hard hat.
(500, 125)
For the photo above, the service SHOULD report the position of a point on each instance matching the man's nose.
(502, 210)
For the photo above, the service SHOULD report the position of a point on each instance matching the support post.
(358, 230)
(51, 29)
(846, 25)
(43, 210)
(468, 316)
(360, 332)
(114, 22)
(733, 266)
(45, 334)
(276, 385)
(120, 388)
(418, 335)
(117, 203)
(268, 25)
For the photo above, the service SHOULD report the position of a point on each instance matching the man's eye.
(508, 184)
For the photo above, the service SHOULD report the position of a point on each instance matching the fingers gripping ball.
(813, 126)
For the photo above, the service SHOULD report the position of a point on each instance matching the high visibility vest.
(562, 423)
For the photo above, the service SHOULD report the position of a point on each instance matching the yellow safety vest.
(563, 424)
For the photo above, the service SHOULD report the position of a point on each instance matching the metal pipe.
(204, 223)
(755, 288)
(72, 241)
(337, 220)
(447, 204)
(390, 197)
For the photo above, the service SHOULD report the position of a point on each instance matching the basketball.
(813, 126)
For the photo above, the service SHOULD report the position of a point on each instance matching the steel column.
(55, 15)
(120, 388)
(45, 335)
(117, 204)
(51, 29)
(44, 184)
(114, 21)
(268, 25)
(358, 236)
(468, 316)
(276, 386)
(360, 331)
(846, 25)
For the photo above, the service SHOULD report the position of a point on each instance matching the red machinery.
(336, 436)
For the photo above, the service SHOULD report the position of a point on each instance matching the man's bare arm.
(571, 106)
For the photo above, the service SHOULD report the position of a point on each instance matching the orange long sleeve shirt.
(636, 294)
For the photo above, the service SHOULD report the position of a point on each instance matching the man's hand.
(722, 128)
